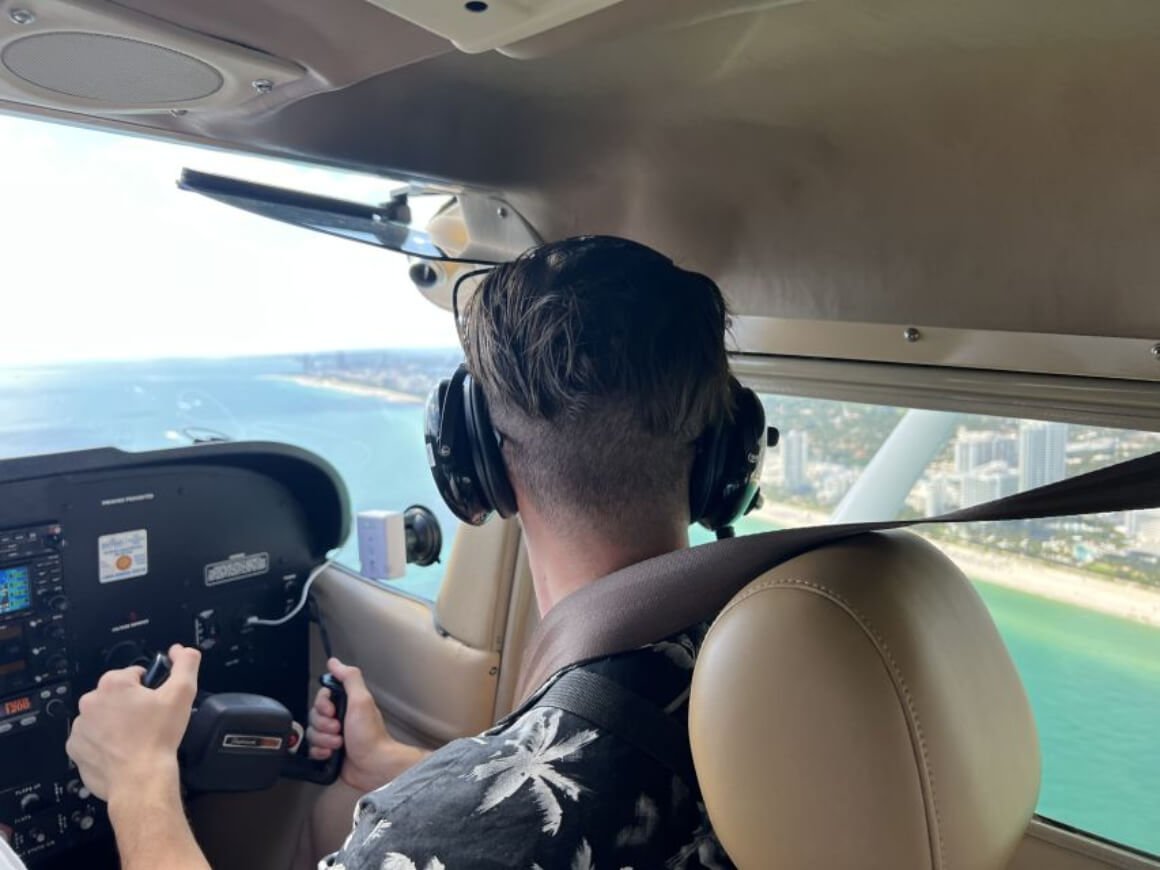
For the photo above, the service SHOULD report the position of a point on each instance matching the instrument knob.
(78, 789)
(59, 603)
(30, 802)
(83, 819)
(55, 708)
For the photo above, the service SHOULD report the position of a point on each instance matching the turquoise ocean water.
(1094, 680)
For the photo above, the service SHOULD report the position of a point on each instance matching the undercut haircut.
(602, 363)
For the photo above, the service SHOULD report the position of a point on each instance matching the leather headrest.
(856, 707)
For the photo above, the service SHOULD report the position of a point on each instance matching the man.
(8, 859)
(602, 364)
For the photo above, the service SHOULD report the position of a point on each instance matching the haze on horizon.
(105, 259)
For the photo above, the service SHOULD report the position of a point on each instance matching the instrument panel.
(108, 557)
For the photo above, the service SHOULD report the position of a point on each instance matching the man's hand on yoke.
(127, 733)
(373, 757)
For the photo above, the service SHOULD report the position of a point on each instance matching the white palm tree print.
(532, 762)
(583, 857)
(395, 861)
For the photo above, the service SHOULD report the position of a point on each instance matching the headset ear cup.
(705, 474)
(490, 471)
(733, 466)
(448, 451)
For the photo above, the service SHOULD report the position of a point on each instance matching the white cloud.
(101, 257)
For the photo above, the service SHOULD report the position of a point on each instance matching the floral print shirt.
(545, 789)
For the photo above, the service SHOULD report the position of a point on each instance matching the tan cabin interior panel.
(472, 606)
(433, 687)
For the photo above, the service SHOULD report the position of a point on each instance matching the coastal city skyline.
(826, 445)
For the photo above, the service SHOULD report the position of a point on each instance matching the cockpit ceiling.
(982, 165)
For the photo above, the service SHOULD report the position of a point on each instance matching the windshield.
(143, 317)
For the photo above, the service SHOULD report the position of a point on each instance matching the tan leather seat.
(855, 707)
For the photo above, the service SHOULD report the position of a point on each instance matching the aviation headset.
(464, 452)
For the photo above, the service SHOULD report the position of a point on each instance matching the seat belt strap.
(656, 598)
(622, 712)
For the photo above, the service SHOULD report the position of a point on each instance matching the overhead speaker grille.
(110, 69)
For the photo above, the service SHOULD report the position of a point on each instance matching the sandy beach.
(320, 382)
(1125, 600)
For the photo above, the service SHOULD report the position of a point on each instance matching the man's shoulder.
(659, 672)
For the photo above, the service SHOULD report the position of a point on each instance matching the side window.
(173, 319)
(364, 412)
(1077, 600)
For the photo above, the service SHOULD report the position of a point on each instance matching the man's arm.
(9, 860)
(150, 824)
(373, 758)
(125, 744)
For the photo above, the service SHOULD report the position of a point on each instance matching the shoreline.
(1124, 600)
(338, 385)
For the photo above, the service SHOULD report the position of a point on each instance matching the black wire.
(474, 273)
(316, 612)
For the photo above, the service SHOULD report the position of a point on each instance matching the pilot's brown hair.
(602, 363)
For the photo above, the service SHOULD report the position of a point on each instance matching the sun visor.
(481, 26)
(385, 226)
(475, 229)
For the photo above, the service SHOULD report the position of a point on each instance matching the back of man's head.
(602, 363)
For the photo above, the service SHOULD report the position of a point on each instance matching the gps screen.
(15, 590)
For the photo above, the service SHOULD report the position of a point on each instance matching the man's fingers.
(351, 678)
(183, 675)
(323, 704)
(327, 724)
(120, 677)
(324, 741)
(320, 754)
(322, 696)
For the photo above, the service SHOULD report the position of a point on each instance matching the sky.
(102, 257)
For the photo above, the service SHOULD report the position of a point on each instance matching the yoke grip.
(157, 672)
(325, 772)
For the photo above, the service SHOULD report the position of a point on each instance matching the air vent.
(99, 57)
(481, 25)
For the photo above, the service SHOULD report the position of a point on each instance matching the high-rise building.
(938, 496)
(987, 484)
(795, 458)
(1042, 453)
(1146, 525)
(1006, 449)
(1131, 523)
(973, 449)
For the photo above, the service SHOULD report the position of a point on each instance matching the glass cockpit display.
(15, 589)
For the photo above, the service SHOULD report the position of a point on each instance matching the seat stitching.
(884, 651)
